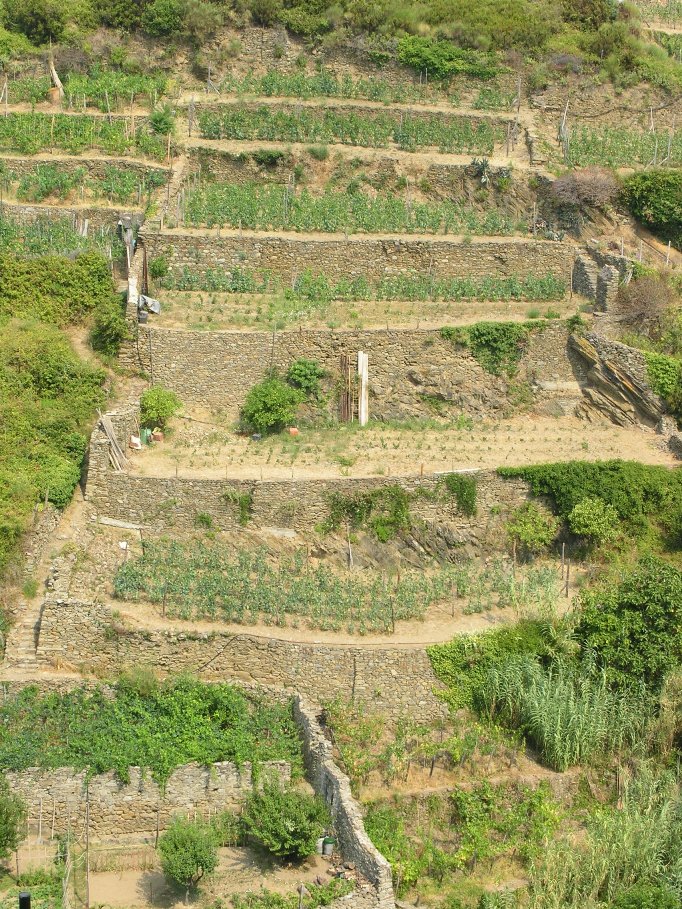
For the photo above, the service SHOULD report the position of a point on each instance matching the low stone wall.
(334, 787)
(372, 257)
(97, 218)
(95, 166)
(138, 805)
(398, 681)
(407, 367)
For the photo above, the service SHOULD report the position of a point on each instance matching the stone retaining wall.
(139, 805)
(372, 257)
(95, 166)
(407, 367)
(334, 787)
(398, 681)
(97, 218)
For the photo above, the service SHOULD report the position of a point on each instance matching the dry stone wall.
(407, 367)
(398, 681)
(374, 258)
(138, 805)
(334, 787)
(97, 218)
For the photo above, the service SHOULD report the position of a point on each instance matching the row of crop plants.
(275, 207)
(105, 89)
(50, 181)
(56, 237)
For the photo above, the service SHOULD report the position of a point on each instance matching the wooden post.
(87, 847)
(363, 400)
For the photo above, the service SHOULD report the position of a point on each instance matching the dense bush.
(188, 852)
(645, 497)
(594, 519)
(157, 406)
(47, 395)
(270, 405)
(531, 528)
(442, 58)
(655, 198)
(54, 289)
(306, 376)
(286, 822)
(110, 327)
(590, 186)
(634, 626)
(12, 814)
(40, 20)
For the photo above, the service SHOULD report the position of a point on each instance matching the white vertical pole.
(363, 399)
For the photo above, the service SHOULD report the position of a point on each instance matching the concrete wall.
(136, 806)
(398, 681)
(217, 369)
(372, 257)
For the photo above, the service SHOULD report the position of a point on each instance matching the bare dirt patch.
(208, 450)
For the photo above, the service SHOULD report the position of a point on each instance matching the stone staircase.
(20, 649)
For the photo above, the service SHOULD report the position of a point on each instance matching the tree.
(285, 821)
(40, 20)
(270, 405)
(157, 406)
(188, 852)
(634, 627)
(645, 305)
(12, 813)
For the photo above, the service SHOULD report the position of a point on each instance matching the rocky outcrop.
(616, 384)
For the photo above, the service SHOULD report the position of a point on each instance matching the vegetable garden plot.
(455, 135)
(270, 207)
(53, 181)
(111, 90)
(74, 133)
(201, 580)
(615, 147)
(317, 289)
(325, 84)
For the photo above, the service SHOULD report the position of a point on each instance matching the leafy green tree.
(157, 406)
(634, 627)
(594, 519)
(270, 405)
(40, 20)
(531, 528)
(188, 852)
(285, 821)
(12, 813)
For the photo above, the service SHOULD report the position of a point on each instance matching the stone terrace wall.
(217, 369)
(95, 166)
(372, 257)
(136, 806)
(398, 681)
(96, 217)
(334, 787)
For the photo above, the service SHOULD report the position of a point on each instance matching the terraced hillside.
(382, 394)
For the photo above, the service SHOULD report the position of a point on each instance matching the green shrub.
(162, 120)
(665, 376)
(162, 18)
(40, 20)
(158, 267)
(313, 896)
(319, 152)
(594, 519)
(646, 896)
(157, 406)
(188, 852)
(286, 822)
(443, 59)
(531, 528)
(655, 198)
(385, 510)
(270, 406)
(463, 488)
(306, 375)
(110, 327)
(641, 494)
(634, 626)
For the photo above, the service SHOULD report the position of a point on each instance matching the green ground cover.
(156, 726)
